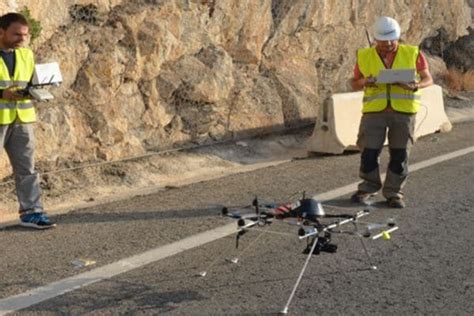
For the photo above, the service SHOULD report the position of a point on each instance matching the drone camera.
(241, 222)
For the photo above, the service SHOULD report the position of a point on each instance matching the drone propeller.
(225, 212)
(389, 223)
(236, 215)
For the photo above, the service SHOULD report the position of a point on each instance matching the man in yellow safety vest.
(388, 111)
(17, 116)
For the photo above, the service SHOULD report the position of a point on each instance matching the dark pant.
(374, 128)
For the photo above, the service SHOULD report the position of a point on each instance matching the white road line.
(38, 295)
(417, 166)
(35, 296)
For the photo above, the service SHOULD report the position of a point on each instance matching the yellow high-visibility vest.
(376, 99)
(23, 108)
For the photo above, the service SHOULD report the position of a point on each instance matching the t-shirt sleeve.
(357, 74)
(421, 62)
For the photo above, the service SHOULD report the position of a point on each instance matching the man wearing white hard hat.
(389, 110)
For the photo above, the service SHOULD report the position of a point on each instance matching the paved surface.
(426, 268)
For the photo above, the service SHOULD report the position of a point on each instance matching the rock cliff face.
(152, 74)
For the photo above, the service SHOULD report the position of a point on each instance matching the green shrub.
(35, 26)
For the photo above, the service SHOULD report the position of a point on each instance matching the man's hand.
(370, 82)
(361, 83)
(11, 93)
(412, 86)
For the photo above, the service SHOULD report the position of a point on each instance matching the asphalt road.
(426, 268)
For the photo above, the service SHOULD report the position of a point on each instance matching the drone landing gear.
(323, 244)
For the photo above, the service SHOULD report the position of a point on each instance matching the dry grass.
(468, 81)
(455, 80)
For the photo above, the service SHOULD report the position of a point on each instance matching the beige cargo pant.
(399, 129)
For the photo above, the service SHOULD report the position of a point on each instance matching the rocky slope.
(147, 75)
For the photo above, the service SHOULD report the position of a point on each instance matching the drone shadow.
(309, 276)
(346, 203)
(76, 217)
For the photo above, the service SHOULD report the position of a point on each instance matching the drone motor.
(311, 209)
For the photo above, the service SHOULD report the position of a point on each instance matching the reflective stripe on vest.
(392, 96)
(7, 83)
(376, 99)
(14, 105)
(23, 108)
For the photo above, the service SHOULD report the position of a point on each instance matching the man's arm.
(423, 70)
(359, 82)
(425, 81)
(11, 94)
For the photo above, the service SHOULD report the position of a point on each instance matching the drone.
(315, 226)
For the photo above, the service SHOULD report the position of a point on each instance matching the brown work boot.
(360, 197)
(396, 202)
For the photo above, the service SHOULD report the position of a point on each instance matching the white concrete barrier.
(338, 121)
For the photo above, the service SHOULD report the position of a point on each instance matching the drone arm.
(348, 220)
(388, 231)
(248, 225)
(307, 234)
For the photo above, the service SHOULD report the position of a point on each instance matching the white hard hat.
(386, 29)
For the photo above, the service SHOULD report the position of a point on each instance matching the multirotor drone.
(315, 226)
